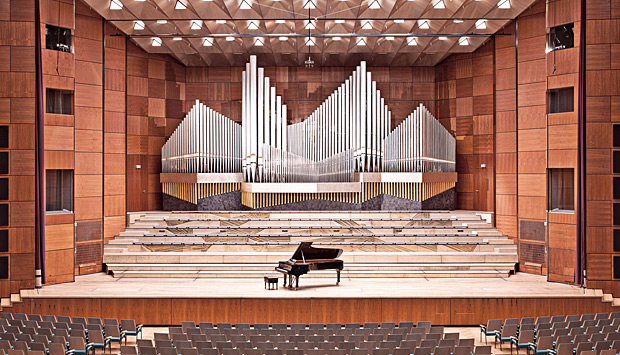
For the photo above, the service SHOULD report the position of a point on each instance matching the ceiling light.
(230, 39)
(481, 24)
(138, 25)
(443, 38)
(339, 21)
(374, 5)
(309, 5)
(309, 25)
(207, 42)
(156, 42)
(464, 41)
(195, 25)
(457, 21)
(361, 41)
(283, 38)
(389, 38)
(208, 0)
(367, 26)
(259, 41)
(162, 22)
(424, 24)
(399, 20)
(140, 0)
(220, 22)
(412, 41)
(337, 38)
(310, 41)
(280, 21)
(116, 5)
(504, 4)
(177, 39)
(439, 5)
(179, 5)
(252, 26)
(245, 5)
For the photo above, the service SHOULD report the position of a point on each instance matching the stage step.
(317, 274)
(249, 245)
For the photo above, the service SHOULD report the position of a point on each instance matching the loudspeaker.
(616, 239)
(4, 214)
(616, 139)
(616, 266)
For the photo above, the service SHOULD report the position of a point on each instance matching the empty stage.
(445, 301)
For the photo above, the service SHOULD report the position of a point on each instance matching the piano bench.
(271, 282)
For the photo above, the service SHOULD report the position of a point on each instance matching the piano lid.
(310, 253)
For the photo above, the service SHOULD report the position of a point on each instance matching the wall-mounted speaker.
(616, 139)
(616, 266)
(616, 216)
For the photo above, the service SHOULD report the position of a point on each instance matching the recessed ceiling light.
(309, 5)
(439, 5)
(208, 0)
(220, 22)
(412, 41)
(309, 25)
(179, 5)
(207, 42)
(245, 5)
(259, 41)
(481, 24)
(399, 20)
(374, 5)
(337, 38)
(367, 26)
(162, 22)
(177, 39)
(195, 25)
(457, 21)
(156, 42)
(360, 41)
(280, 21)
(504, 4)
(310, 41)
(116, 5)
(253, 26)
(339, 21)
(230, 39)
(464, 41)
(389, 38)
(138, 25)
(140, 0)
(424, 24)
(283, 38)
(443, 38)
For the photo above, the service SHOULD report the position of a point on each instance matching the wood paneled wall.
(532, 139)
(562, 68)
(602, 112)
(440, 311)
(155, 107)
(506, 131)
(465, 106)
(17, 102)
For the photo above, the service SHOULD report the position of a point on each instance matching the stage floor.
(104, 286)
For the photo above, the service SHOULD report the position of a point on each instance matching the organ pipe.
(350, 132)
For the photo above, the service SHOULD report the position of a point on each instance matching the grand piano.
(307, 258)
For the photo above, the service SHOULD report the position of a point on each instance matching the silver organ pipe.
(351, 131)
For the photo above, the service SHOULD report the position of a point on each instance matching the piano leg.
(284, 280)
(290, 281)
(338, 277)
(296, 282)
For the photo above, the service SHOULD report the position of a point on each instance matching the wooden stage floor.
(104, 286)
(448, 301)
